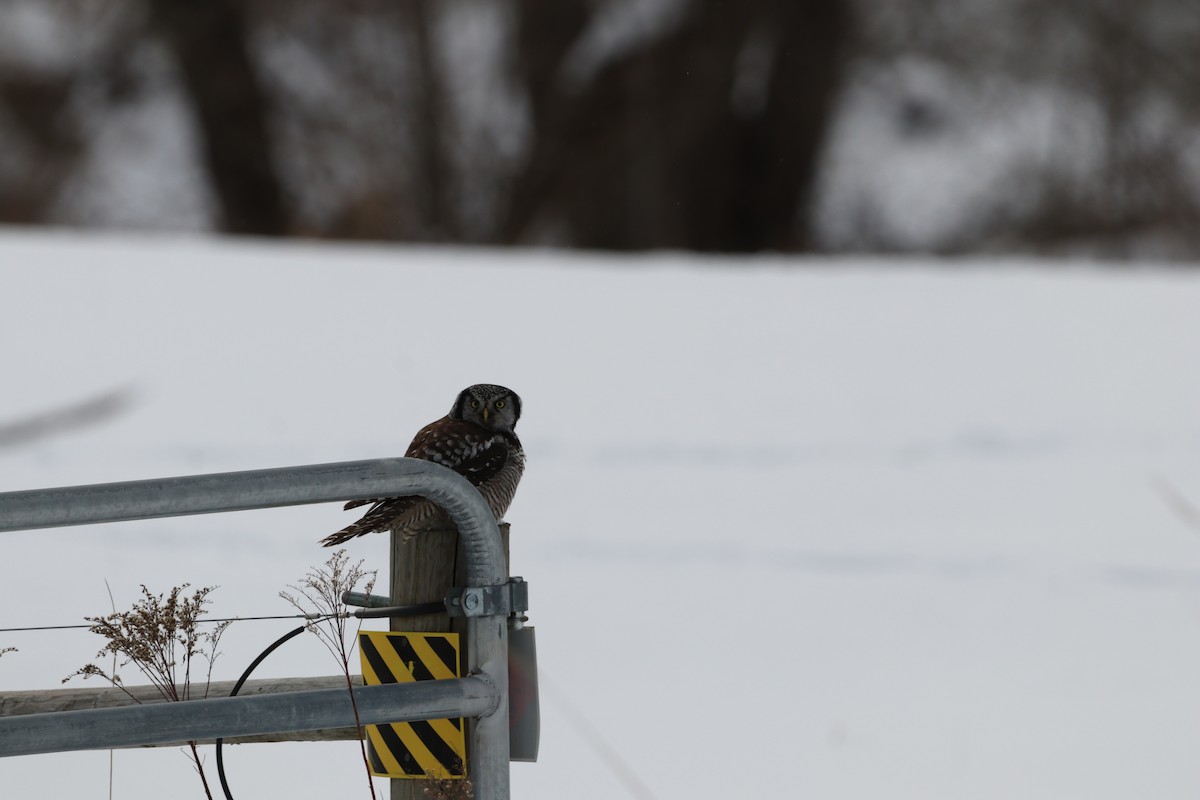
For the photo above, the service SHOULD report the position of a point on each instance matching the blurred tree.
(703, 132)
(1091, 106)
(42, 145)
(706, 138)
(618, 124)
(1138, 65)
(429, 180)
(41, 135)
(80, 414)
(210, 43)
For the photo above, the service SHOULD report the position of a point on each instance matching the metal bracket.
(489, 601)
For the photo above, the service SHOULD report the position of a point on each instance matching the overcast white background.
(793, 528)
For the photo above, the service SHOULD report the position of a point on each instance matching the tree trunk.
(705, 139)
(209, 41)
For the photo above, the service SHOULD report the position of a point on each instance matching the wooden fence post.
(423, 569)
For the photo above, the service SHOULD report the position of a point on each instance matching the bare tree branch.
(82, 414)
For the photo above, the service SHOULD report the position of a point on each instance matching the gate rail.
(483, 694)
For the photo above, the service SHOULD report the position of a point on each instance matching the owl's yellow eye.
(499, 404)
(474, 404)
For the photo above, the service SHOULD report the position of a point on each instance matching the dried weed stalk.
(4, 650)
(160, 636)
(319, 597)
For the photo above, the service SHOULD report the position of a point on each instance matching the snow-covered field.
(792, 529)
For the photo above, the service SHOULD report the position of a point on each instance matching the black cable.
(363, 613)
(237, 686)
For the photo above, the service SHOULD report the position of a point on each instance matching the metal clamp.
(489, 601)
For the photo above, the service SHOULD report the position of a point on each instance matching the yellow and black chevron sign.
(432, 749)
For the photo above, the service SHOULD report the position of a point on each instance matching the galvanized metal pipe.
(487, 656)
(268, 488)
(164, 723)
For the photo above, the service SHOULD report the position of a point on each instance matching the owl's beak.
(485, 414)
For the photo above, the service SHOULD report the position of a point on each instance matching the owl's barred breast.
(500, 490)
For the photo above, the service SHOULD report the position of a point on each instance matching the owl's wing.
(486, 463)
(463, 447)
(477, 468)
(423, 444)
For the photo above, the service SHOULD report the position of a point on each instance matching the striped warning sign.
(435, 748)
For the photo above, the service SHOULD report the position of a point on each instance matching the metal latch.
(489, 601)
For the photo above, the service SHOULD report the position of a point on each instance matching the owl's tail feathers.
(383, 515)
(378, 518)
(372, 521)
(346, 534)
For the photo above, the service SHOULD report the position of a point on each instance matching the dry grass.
(319, 597)
(160, 636)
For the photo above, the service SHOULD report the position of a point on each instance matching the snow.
(793, 528)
